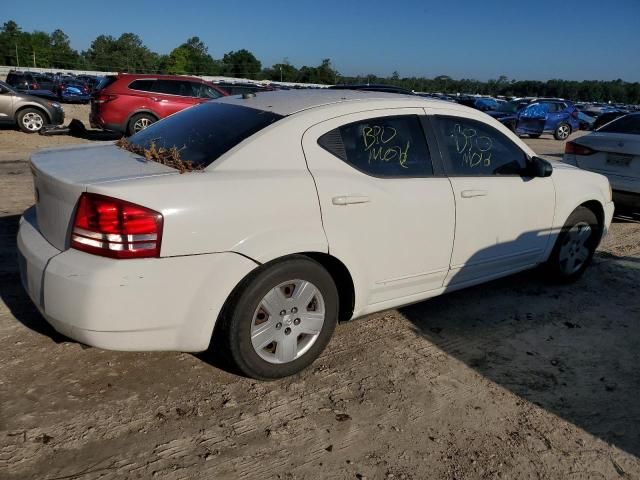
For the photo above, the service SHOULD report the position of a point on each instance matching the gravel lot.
(512, 379)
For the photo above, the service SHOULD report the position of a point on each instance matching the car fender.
(572, 192)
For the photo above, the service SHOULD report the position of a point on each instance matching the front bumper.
(143, 304)
(57, 116)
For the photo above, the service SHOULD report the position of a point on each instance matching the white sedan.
(305, 208)
(612, 150)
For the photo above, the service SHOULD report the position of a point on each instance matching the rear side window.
(141, 85)
(382, 147)
(205, 132)
(628, 124)
(473, 148)
(182, 88)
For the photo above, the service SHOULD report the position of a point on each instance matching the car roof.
(288, 102)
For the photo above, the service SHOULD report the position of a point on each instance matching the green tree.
(240, 64)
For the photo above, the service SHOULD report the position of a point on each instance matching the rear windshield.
(104, 82)
(627, 124)
(205, 132)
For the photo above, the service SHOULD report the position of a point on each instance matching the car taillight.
(103, 98)
(35, 86)
(577, 149)
(114, 228)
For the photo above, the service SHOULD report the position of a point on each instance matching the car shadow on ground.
(77, 129)
(11, 291)
(573, 350)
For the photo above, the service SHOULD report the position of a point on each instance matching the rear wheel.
(281, 319)
(31, 120)
(562, 131)
(575, 246)
(139, 122)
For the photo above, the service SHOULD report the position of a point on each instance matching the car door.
(6, 105)
(503, 216)
(555, 115)
(384, 212)
(532, 119)
(171, 96)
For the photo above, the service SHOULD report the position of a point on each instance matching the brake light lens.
(577, 149)
(110, 227)
(102, 98)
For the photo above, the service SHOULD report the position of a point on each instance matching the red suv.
(128, 103)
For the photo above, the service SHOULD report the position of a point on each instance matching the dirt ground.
(515, 379)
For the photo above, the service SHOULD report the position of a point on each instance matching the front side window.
(473, 148)
(202, 90)
(382, 147)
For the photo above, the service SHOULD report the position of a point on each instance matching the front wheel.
(575, 246)
(31, 120)
(562, 131)
(281, 319)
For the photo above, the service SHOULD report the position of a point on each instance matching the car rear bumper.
(98, 122)
(143, 304)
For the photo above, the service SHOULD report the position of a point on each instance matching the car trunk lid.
(60, 175)
(616, 153)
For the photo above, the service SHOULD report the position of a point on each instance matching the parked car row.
(63, 87)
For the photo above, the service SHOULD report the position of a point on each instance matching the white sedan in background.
(614, 151)
(310, 207)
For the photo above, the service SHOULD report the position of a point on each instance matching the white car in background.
(311, 207)
(614, 151)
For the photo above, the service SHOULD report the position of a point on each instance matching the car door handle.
(349, 199)
(474, 193)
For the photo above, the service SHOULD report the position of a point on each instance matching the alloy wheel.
(33, 121)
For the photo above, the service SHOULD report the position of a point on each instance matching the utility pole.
(34, 58)
(17, 57)
(280, 73)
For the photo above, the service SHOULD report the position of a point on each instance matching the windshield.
(7, 86)
(203, 133)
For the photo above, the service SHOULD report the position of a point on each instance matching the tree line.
(128, 53)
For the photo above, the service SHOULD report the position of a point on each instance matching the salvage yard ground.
(512, 379)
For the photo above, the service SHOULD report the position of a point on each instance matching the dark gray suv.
(28, 112)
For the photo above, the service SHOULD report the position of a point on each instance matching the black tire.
(534, 135)
(558, 267)
(241, 310)
(31, 120)
(562, 131)
(139, 122)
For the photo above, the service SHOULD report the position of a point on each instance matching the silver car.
(28, 112)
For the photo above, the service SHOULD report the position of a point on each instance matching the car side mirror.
(539, 167)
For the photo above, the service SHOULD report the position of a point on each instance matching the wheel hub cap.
(287, 321)
(575, 251)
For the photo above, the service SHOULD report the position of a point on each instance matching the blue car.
(72, 91)
(533, 117)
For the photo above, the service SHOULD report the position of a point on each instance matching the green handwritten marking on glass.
(474, 149)
(377, 140)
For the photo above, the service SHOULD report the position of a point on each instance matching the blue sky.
(572, 39)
